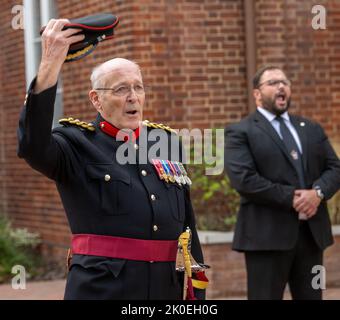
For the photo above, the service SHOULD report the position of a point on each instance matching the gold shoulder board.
(77, 122)
(158, 126)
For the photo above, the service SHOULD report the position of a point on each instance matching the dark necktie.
(293, 150)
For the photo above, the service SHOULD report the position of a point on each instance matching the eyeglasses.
(124, 90)
(276, 83)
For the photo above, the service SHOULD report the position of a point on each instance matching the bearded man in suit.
(285, 170)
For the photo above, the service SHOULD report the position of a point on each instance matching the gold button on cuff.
(144, 173)
(107, 177)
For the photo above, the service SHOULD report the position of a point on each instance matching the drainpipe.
(250, 38)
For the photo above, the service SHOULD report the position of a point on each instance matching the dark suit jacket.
(260, 169)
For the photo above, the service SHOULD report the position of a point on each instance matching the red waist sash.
(124, 248)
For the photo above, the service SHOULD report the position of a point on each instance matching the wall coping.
(215, 237)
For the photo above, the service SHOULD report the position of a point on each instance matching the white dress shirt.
(276, 124)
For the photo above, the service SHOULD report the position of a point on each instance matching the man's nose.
(281, 85)
(132, 95)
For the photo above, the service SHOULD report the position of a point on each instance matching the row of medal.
(171, 171)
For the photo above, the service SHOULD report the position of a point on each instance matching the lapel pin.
(294, 155)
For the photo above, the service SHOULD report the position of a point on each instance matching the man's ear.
(94, 97)
(257, 95)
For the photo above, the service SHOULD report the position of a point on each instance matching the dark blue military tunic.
(103, 197)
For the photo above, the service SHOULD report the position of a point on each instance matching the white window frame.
(32, 51)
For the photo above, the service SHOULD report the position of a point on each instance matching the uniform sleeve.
(241, 169)
(43, 151)
(329, 181)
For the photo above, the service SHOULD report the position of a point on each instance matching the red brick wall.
(27, 197)
(193, 56)
(311, 57)
(191, 52)
(2, 136)
(227, 274)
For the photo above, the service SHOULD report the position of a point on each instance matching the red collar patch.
(112, 131)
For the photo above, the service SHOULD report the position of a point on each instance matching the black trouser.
(268, 272)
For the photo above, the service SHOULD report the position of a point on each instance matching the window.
(37, 14)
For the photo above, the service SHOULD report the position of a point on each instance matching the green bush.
(16, 248)
(215, 202)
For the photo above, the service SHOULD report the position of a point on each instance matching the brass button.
(136, 146)
(155, 228)
(107, 177)
(144, 173)
(153, 197)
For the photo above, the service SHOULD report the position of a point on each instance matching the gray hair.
(98, 72)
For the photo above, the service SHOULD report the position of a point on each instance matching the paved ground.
(329, 294)
(42, 290)
(54, 290)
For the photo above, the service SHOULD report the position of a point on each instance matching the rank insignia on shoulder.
(171, 172)
(77, 122)
(158, 126)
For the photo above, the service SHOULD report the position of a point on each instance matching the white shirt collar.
(271, 116)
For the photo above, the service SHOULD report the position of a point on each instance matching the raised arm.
(37, 146)
(55, 44)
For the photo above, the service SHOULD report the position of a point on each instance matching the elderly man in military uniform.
(125, 218)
